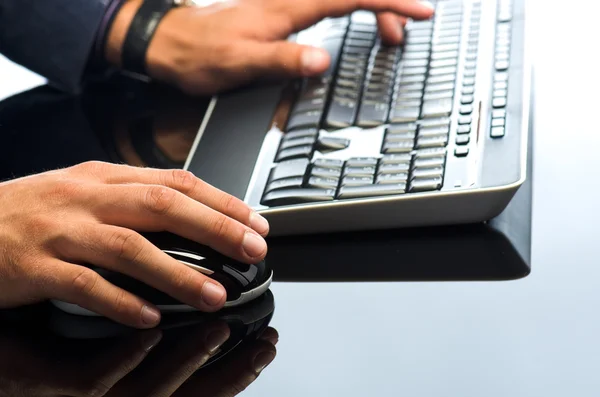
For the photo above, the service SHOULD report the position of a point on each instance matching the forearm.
(54, 38)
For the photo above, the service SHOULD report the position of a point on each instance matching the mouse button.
(234, 289)
(237, 275)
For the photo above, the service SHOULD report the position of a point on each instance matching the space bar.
(297, 196)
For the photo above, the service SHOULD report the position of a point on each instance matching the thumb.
(293, 60)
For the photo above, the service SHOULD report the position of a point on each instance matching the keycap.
(295, 152)
(440, 71)
(470, 73)
(498, 113)
(500, 85)
(464, 120)
(463, 129)
(360, 35)
(341, 113)
(461, 151)
(326, 172)
(444, 55)
(324, 183)
(398, 147)
(433, 131)
(502, 56)
(396, 158)
(462, 140)
(425, 184)
(407, 103)
(396, 168)
(442, 63)
(436, 122)
(297, 196)
(364, 28)
(468, 90)
(429, 172)
(431, 141)
(333, 47)
(403, 87)
(444, 78)
(372, 114)
(445, 47)
(304, 120)
(429, 162)
(439, 108)
(416, 55)
(399, 128)
(497, 132)
(325, 143)
(411, 63)
(468, 81)
(315, 88)
(356, 50)
(446, 39)
(289, 143)
(429, 153)
(400, 115)
(359, 171)
(357, 181)
(353, 42)
(417, 78)
(311, 104)
(400, 136)
(497, 122)
(309, 132)
(418, 25)
(465, 109)
(501, 76)
(499, 102)
(361, 162)
(413, 71)
(437, 95)
(349, 192)
(416, 49)
(439, 87)
(289, 169)
(467, 99)
(328, 163)
(285, 184)
(387, 179)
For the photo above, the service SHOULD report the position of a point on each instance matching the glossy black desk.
(427, 322)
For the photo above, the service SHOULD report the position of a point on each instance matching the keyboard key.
(465, 110)
(396, 168)
(461, 151)
(357, 181)
(310, 132)
(363, 28)
(416, 55)
(398, 147)
(497, 132)
(499, 102)
(462, 120)
(500, 85)
(361, 35)
(410, 39)
(284, 184)
(390, 179)
(333, 47)
(416, 48)
(325, 143)
(353, 42)
(468, 90)
(468, 81)
(326, 172)
(436, 56)
(304, 120)
(341, 113)
(439, 87)
(413, 71)
(440, 108)
(463, 129)
(357, 50)
(429, 162)
(361, 162)
(467, 99)
(413, 63)
(431, 172)
(401, 128)
(297, 196)
(290, 143)
(462, 140)
(433, 131)
(443, 78)
(359, 171)
(403, 87)
(440, 71)
(445, 47)
(438, 95)
(295, 152)
(430, 153)
(289, 169)
(400, 115)
(311, 104)
(442, 63)
(401, 136)
(329, 163)
(349, 192)
(497, 122)
(416, 78)
(438, 122)
(396, 158)
(470, 73)
(372, 114)
(500, 93)
(432, 141)
(425, 184)
(324, 183)
(446, 39)
(500, 76)
(498, 113)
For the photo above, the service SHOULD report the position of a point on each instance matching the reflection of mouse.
(243, 282)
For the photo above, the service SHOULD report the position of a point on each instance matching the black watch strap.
(141, 32)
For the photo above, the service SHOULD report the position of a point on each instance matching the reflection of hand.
(136, 365)
(52, 222)
(209, 49)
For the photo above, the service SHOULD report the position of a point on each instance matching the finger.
(232, 374)
(282, 59)
(306, 13)
(82, 286)
(390, 28)
(193, 187)
(158, 208)
(403, 20)
(270, 335)
(125, 251)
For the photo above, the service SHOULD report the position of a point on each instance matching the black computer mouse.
(243, 282)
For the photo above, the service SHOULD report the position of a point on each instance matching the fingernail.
(259, 223)
(150, 316)
(150, 340)
(314, 60)
(428, 5)
(212, 294)
(263, 359)
(399, 31)
(214, 340)
(253, 245)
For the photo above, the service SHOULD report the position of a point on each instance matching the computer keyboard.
(433, 131)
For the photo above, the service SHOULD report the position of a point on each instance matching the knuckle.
(229, 203)
(183, 280)
(128, 245)
(62, 190)
(221, 226)
(160, 199)
(84, 281)
(93, 167)
(184, 181)
(120, 304)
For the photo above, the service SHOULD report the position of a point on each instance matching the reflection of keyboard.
(430, 132)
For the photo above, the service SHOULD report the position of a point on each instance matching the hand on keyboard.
(86, 214)
(210, 49)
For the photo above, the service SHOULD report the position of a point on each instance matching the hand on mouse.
(204, 50)
(53, 222)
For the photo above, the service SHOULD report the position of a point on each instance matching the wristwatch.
(142, 30)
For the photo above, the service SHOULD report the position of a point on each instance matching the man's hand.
(51, 223)
(210, 49)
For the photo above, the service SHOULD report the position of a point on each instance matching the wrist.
(118, 31)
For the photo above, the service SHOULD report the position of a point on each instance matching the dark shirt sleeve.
(54, 38)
